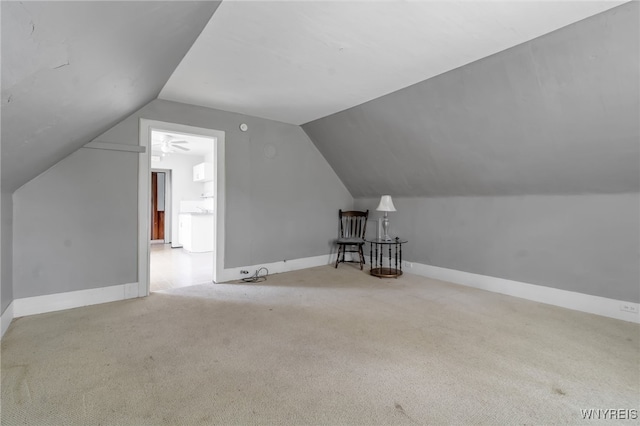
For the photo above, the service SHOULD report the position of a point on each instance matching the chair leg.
(361, 253)
(338, 257)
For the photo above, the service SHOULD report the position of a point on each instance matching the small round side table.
(378, 250)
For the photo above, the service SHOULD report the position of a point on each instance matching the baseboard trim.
(597, 305)
(231, 274)
(73, 299)
(552, 296)
(5, 319)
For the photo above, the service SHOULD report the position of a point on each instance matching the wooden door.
(157, 205)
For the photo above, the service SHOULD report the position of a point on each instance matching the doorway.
(188, 259)
(176, 175)
(160, 219)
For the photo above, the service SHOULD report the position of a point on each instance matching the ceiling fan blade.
(179, 142)
(182, 148)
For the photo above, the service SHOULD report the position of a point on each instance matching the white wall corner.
(231, 274)
(73, 299)
(5, 319)
(552, 296)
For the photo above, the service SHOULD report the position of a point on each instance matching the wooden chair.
(353, 225)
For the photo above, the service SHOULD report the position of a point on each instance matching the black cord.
(256, 278)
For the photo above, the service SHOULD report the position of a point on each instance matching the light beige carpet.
(321, 346)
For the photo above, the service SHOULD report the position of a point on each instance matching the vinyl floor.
(176, 267)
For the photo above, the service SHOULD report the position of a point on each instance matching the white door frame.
(144, 190)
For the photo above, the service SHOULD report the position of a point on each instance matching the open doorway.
(185, 256)
(181, 185)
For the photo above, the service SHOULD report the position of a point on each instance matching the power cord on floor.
(256, 278)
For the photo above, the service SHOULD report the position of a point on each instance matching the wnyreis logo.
(609, 414)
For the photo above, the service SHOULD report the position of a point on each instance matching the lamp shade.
(386, 205)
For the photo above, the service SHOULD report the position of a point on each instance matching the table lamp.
(386, 205)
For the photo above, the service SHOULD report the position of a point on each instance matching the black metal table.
(378, 249)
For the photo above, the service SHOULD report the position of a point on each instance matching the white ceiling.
(298, 61)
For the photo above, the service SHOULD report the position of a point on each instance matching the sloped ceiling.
(71, 70)
(298, 61)
(556, 115)
(549, 116)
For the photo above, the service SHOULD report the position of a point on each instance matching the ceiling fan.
(168, 145)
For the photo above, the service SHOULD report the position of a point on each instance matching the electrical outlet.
(244, 272)
(628, 307)
(408, 264)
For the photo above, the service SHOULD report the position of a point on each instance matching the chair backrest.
(353, 223)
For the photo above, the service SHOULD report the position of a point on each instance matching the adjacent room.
(177, 183)
(182, 211)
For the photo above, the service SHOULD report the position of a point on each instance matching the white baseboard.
(552, 296)
(5, 319)
(73, 299)
(231, 274)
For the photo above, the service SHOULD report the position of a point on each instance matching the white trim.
(552, 296)
(73, 299)
(144, 188)
(219, 201)
(278, 267)
(5, 319)
(144, 208)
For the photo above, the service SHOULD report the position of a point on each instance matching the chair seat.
(352, 240)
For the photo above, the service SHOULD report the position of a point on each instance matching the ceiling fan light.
(165, 148)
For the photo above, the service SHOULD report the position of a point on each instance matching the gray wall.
(76, 223)
(277, 208)
(556, 115)
(584, 243)
(75, 226)
(6, 251)
(498, 159)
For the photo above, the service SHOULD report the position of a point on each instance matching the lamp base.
(385, 228)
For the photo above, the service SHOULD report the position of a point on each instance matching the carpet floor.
(321, 346)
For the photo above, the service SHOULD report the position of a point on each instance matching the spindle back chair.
(353, 225)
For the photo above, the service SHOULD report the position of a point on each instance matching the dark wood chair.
(353, 225)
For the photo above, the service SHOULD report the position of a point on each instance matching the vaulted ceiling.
(71, 70)
(298, 61)
(556, 115)
(396, 82)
